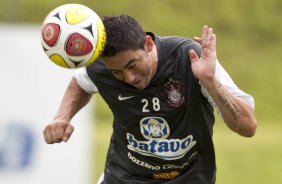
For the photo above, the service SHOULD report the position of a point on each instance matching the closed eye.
(131, 66)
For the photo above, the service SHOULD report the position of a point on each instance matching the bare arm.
(237, 114)
(60, 128)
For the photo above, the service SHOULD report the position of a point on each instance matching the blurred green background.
(249, 39)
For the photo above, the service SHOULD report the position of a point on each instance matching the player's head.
(129, 53)
(123, 33)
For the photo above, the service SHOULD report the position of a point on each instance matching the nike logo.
(121, 98)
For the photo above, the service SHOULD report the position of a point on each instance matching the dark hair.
(123, 33)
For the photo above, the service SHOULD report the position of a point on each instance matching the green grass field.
(255, 160)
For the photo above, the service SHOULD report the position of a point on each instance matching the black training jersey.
(163, 133)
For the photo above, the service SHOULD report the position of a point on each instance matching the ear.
(149, 43)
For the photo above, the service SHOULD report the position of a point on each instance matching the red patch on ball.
(50, 34)
(78, 45)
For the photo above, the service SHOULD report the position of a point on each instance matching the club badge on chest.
(174, 90)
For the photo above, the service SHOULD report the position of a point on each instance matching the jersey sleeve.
(84, 81)
(228, 83)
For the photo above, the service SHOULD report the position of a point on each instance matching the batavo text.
(167, 149)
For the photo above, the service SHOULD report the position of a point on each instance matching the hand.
(57, 132)
(204, 67)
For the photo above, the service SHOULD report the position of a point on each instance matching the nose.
(129, 77)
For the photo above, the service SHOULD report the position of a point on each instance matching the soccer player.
(162, 92)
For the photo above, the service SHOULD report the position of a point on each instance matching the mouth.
(137, 84)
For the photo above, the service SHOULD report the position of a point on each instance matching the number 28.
(155, 104)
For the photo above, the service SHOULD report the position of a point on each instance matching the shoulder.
(97, 68)
(176, 44)
(89, 78)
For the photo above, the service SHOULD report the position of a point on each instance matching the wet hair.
(123, 33)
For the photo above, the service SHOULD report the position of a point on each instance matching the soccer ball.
(73, 36)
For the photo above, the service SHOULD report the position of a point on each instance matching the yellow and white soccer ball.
(73, 36)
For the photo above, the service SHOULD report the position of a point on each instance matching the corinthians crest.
(174, 90)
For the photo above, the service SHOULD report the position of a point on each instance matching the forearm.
(74, 99)
(237, 114)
